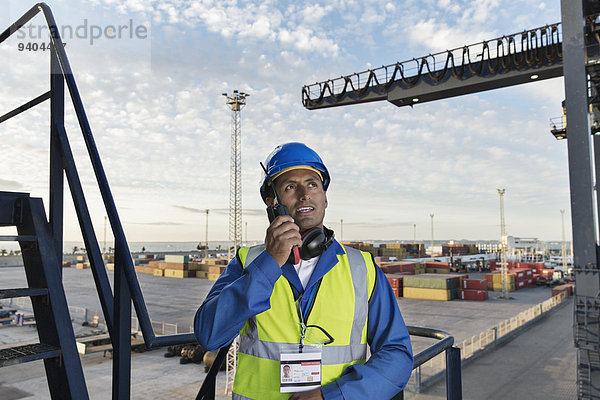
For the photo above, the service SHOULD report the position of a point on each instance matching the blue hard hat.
(289, 155)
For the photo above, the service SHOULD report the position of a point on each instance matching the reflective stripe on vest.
(331, 355)
(240, 397)
(340, 306)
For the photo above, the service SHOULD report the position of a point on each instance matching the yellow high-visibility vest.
(340, 306)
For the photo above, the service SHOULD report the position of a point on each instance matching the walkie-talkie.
(277, 209)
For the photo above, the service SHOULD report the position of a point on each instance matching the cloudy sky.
(153, 98)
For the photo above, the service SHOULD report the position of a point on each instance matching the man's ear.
(269, 201)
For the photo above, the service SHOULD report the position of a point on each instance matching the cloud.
(189, 209)
(10, 185)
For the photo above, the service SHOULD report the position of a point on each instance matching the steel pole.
(57, 118)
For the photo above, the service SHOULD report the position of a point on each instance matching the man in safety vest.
(306, 307)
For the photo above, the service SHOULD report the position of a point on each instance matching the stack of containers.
(392, 250)
(523, 277)
(434, 267)
(432, 286)
(473, 289)
(216, 266)
(396, 283)
(82, 263)
(177, 266)
(200, 269)
(420, 268)
(494, 281)
(518, 278)
(214, 271)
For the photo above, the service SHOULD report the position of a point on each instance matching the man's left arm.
(388, 369)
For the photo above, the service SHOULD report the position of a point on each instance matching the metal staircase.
(43, 271)
(41, 242)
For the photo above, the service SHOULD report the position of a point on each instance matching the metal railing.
(430, 370)
(82, 315)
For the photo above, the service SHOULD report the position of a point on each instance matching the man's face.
(301, 191)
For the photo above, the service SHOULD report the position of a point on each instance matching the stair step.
(26, 353)
(18, 238)
(22, 292)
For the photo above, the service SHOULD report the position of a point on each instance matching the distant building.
(488, 247)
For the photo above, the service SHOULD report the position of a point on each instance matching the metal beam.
(41, 98)
(424, 92)
(121, 337)
(579, 146)
(510, 60)
(580, 179)
(57, 181)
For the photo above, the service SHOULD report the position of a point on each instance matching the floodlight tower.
(431, 215)
(503, 263)
(414, 233)
(564, 243)
(236, 101)
(206, 236)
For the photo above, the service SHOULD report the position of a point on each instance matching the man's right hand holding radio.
(282, 235)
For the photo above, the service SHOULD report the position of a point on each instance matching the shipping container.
(212, 277)
(158, 272)
(202, 274)
(432, 281)
(176, 273)
(475, 284)
(171, 258)
(472, 294)
(426, 293)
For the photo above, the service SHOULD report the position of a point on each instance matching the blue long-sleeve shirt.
(241, 293)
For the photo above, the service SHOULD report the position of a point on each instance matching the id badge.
(299, 372)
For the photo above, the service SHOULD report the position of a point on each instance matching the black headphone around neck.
(314, 242)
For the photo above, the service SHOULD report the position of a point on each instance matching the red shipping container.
(562, 288)
(529, 281)
(490, 280)
(478, 284)
(436, 264)
(397, 291)
(395, 267)
(566, 287)
(520, 285)
(395, 280)
(519, 274)
(470, 294)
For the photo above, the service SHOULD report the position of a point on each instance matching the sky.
(153, 96)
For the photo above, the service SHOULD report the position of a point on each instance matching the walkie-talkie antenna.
(277, 201)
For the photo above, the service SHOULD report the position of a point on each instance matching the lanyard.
(302, 324)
